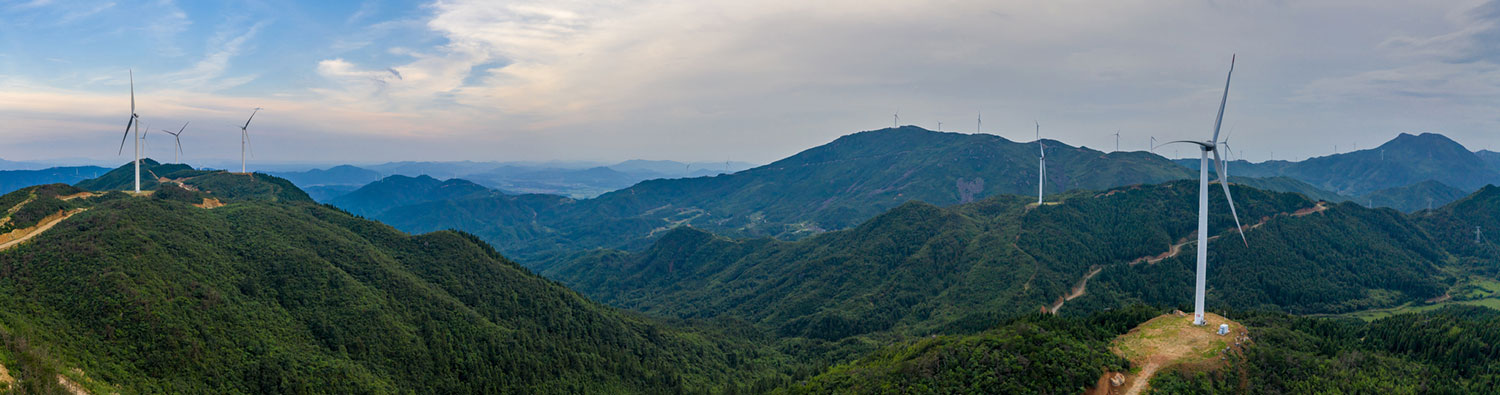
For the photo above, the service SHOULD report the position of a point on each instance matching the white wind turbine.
(896, 119)
(1041, 176)
(245, 138)
(177, 155)
(128, 124)
(1117, 140)
(1210, 146)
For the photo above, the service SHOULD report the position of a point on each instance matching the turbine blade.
(1197, 143)
(1219, 121)
(1219, 164)
(127, 134)
(132, 92)
(184, 127)
(252, 117)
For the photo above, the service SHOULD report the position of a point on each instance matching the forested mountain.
(395, 191)
(11, 180)
(833, 186)
(1410, 198)
(1405, 160)
(921, 269)
(272, 294)
(337, 175)
(1288, 184)
(123, 177)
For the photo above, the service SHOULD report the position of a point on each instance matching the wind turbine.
(245, 138)
(128, 124)
(1210, 146)
(979, 123)
(940, 126)
(896, 119)
(1041, 176)
(1153, 144)
(1117, 140)
(177, 156)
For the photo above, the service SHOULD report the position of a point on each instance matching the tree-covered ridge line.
(834, 186)
(921, 269)
(272, 293)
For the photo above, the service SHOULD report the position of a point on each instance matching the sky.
(754, 81)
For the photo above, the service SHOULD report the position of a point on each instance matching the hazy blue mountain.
(395, 191)
(1287, 184)
(1490, 158)
(337, 175)
(11, 180)
(441, 170)
(1410, 198)
(577, 183)
(675, 168)
(15, 165)
(833, 186)
(1405, 160)
(326, 193)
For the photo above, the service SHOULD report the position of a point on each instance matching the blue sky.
(752, 81)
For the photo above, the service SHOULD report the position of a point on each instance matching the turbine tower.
(1210, 146)
(1117, 140)
(177, 156)
(245, 138)
(896, 119)
(1153, 144)
(1041, 176)
(979, 123)
(128, 124)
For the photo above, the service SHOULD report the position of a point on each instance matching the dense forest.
(921, 269)
(153, 294)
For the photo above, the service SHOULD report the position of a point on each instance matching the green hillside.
(834, 186)
(394, 191)
(123, 178)
(276, 295)
(1410, 198)
(1448, 351)
(922, 269)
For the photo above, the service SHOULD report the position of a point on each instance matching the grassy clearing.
(1473, 291)
(1172, 341)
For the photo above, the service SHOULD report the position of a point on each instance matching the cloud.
(207, 72)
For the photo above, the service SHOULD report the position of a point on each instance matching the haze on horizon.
(711, 81)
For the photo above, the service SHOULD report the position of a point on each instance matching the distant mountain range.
(1406, 160)
(828, 187)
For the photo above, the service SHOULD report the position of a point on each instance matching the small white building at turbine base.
(1223, 329)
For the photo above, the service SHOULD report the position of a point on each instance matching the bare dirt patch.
(1172, 341)
(1078, 290)
(19, 236)
(210, 203)
(72, 387)
(77, 195)
(1320, 207)
(6, 381)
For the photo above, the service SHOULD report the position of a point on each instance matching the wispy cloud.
(222, 48)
